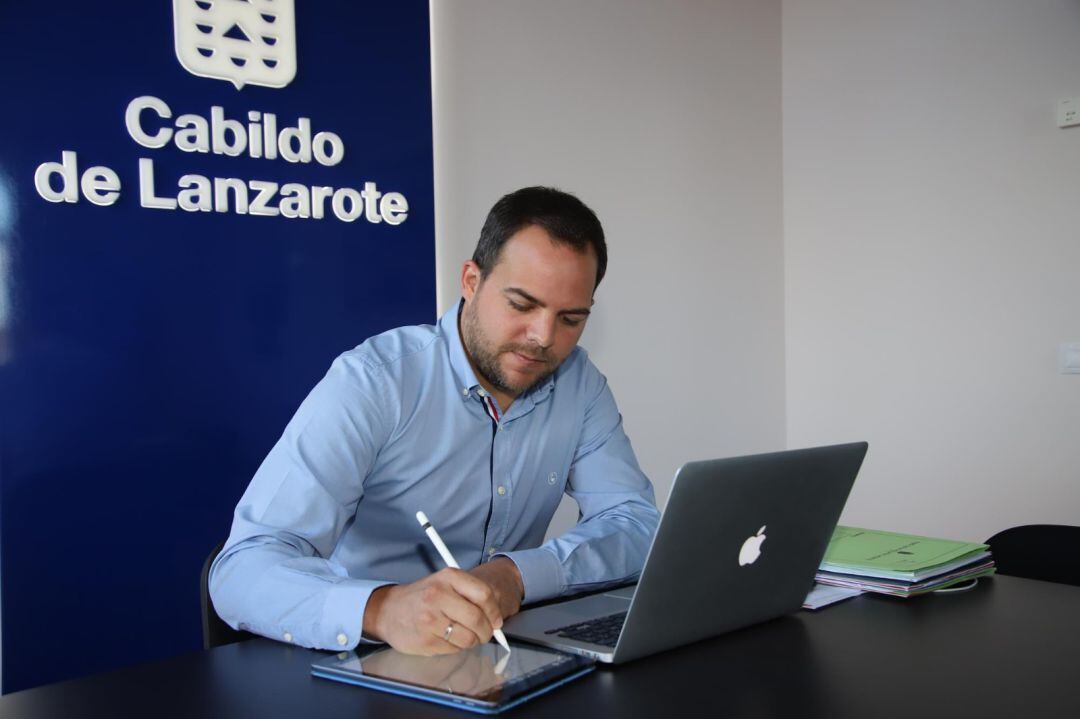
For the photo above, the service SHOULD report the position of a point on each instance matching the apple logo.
(751, 548)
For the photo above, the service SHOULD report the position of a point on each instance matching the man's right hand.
(413, 618)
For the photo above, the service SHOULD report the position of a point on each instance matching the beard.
(485, 356)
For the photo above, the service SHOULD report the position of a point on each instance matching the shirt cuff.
(541, 573)
(342, 624)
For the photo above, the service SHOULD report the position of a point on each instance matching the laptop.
(739, 543)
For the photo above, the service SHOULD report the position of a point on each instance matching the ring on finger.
(448, 632)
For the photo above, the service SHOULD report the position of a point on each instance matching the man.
(482, 422)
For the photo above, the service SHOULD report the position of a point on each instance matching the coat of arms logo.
(241, 41)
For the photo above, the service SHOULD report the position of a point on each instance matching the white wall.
(931, 238)
(932, 254)
(665, 119)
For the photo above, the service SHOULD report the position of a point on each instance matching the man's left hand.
(502, 575)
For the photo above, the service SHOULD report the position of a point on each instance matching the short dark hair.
(566, 218)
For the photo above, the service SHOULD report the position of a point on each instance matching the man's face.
(524, 319)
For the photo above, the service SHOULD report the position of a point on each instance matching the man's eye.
(516, 306)
(571, 322)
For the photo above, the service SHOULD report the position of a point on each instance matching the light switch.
(1068, 112)
(1070, 358)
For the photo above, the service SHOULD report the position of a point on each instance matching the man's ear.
(471, 277)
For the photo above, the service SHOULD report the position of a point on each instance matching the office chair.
(1050, 552)
(215, 632)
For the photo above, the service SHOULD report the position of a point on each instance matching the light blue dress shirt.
(398, 425)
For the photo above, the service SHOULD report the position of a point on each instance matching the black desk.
(1009, 648)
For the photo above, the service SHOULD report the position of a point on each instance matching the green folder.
(869, 552)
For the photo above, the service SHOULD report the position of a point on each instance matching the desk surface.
(1009, 648)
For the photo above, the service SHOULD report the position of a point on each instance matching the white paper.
(823, 595)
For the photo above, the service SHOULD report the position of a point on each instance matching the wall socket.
(1068, 112)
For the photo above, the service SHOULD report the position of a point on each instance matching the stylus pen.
(429, 530)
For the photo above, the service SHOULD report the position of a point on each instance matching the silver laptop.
(739, 543)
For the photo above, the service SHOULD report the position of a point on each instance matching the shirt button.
(288, 637)
(342, 639)
(552, 478)
(465, 392)
(481, 392)
(491, 551)
(502, 490)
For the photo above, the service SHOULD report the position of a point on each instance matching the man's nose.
(542, 331)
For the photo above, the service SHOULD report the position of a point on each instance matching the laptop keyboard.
(603, 631)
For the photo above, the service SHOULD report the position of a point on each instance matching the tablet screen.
(486, 672)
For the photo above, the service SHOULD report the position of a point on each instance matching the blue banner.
(202, 203)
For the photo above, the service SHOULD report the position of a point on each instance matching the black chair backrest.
(215, 632)
(1050, 552)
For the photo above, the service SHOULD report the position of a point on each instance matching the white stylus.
(429, 530)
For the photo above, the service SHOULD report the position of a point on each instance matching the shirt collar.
(464, 376)
(463, 371)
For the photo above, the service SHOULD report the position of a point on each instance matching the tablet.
(483, 679)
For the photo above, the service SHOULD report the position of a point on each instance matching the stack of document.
(901, 565)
